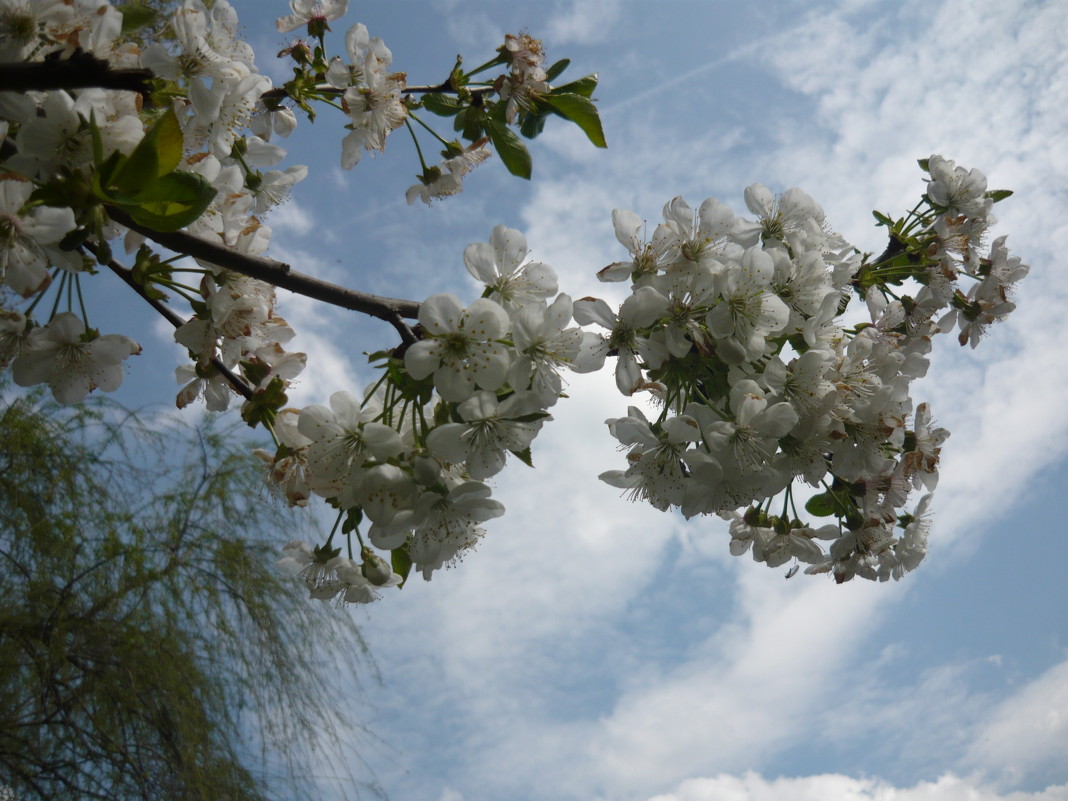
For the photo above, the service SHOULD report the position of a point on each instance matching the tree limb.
(392, 310)
(80, 71)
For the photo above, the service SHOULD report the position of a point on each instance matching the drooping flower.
(490, 429)
(313, 13)
(71, 360)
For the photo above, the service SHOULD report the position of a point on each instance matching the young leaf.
(556, 69)
(442, 105)
(822, 505)
(158, 153)
(509, 147)
(581, 111)
(135, 17)
(583, 86)
(998, 195)
(172, 202)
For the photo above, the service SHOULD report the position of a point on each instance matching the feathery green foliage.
(148, 646)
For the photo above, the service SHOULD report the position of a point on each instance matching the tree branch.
(80, 71)
(392, 310)
(240, 385)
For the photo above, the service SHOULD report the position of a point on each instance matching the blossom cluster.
(412, 457)
(47, 135)
(737, 329)
(217, 122)
(768, 383)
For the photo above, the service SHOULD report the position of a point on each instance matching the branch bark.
(80, 71)
(393, 310)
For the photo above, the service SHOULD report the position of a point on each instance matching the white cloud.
(752, 787)
(561, 582)
(1027, 732)
(584, 22)
(291, 217)
(537, 669)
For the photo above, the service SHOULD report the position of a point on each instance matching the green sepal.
(533, 417)
(419, 391)
(524, 456)
(379, 355)
(74, 238)
(147, 268)
(255, 371)
(401, 562)
(581, 111)
(557, 69)
(264, 403)
(172, 202)
(514, 154)
(353, 518)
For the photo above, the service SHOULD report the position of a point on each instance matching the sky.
(596, 649)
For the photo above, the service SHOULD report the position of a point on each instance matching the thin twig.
(240, 386)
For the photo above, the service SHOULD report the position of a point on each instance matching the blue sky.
(595, 649)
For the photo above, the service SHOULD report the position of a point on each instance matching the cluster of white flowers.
(47, 135)
(412, 457)
(527, 78)
(735, 327)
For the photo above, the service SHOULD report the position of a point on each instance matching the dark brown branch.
(393, 310)
(240, 386)
(80, 71)
(279, 93)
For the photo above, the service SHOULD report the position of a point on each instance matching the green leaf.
(442, 105)
(509, 147)
(401, 562)
(556, 69)
(172, 202)
(532, 124)
(998, 195)
(882, 218)
(822, 505)
(135, 17)
(158, 153)
(925, 164)
(583, 86)
(581, 111)
(471, 122)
